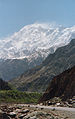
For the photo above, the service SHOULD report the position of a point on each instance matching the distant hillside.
(4, 85)
(12, 68)
(38, 78)
(62, 86)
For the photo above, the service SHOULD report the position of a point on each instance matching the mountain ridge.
(38, 78)
(30, 46)
(35, 40)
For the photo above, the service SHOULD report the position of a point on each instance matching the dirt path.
(55, 108)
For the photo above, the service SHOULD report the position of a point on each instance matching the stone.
(12, 114)
(42, 108)
(52, 117)
(73, 105)
(4, 116)
(49, 103)
(57, 104)
(26, 117)
(28, 105)
(22, 115)
(34, 117)
(69, 105)
(53, 109)
(19, 107)
(30, 115)
(1, 111)
(41, 104)
(25, 111)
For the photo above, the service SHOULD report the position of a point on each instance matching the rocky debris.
(27, 112)
(6, 108)
(3, 115)
(71, 102)
(30, 115)
(39, 115)
(57, 102)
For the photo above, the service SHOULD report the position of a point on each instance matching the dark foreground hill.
(4, 85)
(62, 86)
(38, 78)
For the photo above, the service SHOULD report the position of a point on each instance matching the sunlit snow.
(35, 40)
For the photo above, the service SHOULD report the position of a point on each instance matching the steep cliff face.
(62, 86)
(4, 85)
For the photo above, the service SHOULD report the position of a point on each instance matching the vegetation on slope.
(14, 96)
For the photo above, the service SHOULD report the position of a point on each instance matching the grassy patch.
(14, 96)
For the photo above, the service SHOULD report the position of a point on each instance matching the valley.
(37, 59)
(30, 46)
(38, 78)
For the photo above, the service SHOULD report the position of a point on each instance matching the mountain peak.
(35, 40)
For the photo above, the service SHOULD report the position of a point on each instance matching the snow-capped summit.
(35, 40)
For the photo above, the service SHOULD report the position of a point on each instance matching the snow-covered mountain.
(30, 46)
(35, 40)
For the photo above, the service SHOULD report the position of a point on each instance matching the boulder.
(22, 115)
(25, 111)
(3, 115)
(12, 114)
(34, 117)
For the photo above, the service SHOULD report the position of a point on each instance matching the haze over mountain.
(38, 78)
(30, 46)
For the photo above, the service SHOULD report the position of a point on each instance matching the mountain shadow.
(62, 86)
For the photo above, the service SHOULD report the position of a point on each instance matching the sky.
(15, 14)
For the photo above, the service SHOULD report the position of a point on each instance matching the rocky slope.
(30, 46)
(38, 78)
(4, 85)
(62, 86)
